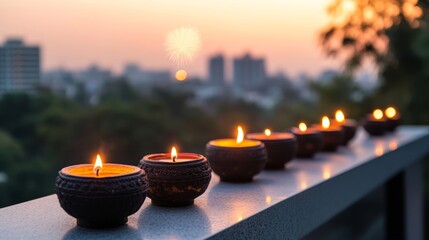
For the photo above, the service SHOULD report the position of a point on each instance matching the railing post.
(404, 204)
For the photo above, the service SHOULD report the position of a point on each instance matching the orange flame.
(378, 114)
(339, 116)
(267, 132)
(390, 112)
(302, 127)
(325, 122)
(240, 134)
(98, 165)
(173, 154)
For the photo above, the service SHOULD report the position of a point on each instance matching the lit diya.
(309, 141)
(348, 125)
(236, 160)
(332, 135)
(393, 119)
(101, 195)
(176, 179)
(281, 147)
(375, 124)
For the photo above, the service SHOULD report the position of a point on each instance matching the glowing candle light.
(390, 112)
(377, 114)
(240, 135)
(98, 165)
(267, 132)
(325, 122)
(339, 116)
(302, 127)
(173, 154)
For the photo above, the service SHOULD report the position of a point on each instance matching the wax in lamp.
(239, 142)
(174, 157)
(236, 160)
(281, 147)
(332, 135)
(98, 170)
(376, 124)
(120, 188)
(309, 141)
(176, 179)
(349, 126)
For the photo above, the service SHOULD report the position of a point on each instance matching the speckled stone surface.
(284, 204)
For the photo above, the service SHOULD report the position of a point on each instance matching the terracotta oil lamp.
(101, 195)
(309, 141)
(375, 124)
(176, 179)
(236, 160)
(333, 136)
(281, 147)
(348, 125)
(393, 119)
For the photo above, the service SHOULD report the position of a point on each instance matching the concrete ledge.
(277, 205)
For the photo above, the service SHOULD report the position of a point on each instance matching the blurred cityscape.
(20, 71)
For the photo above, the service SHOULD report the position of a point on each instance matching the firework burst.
(182, 44)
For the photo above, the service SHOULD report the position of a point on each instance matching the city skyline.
(113, 34)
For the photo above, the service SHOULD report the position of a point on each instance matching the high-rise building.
(248, 72)
(217, 70)
(19, 66)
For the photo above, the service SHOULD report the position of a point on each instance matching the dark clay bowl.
(279, 151)
(236, 164)
(332, 137)
(349, 127)
(101, 202)
(375, 128)
(309, 143)
(393, 123)
(176, 184)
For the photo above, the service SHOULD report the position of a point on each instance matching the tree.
(391, 33)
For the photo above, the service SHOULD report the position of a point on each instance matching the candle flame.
(173, 154)
(339, 116)
(98, 165)
(302, 127)
(378, 114)
(240, 134)
(390, 112)
(267, 132)
(325, 122)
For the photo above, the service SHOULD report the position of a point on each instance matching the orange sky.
(76, 33)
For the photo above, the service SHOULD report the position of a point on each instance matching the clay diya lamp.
(236, 160)
(393, 119)
(333, 136)
(309, 141)
(348, 125)
(375, 124)
(281, 147)
(101, 195)
(176, 179)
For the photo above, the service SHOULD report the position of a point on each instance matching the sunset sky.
(76, 33)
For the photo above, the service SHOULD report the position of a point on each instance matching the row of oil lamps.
(104, 195)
